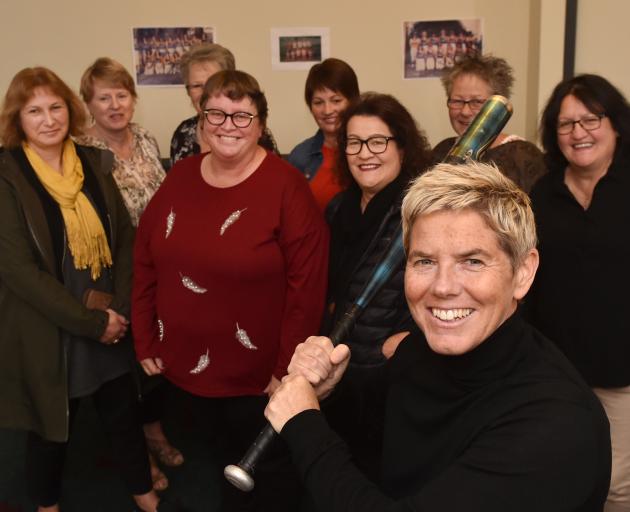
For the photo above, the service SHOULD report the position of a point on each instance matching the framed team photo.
(298, 48)
(158, 50)
(431, 46)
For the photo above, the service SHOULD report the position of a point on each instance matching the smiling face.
(467, 87)
(327, 107)
(112, 107)
(459, 283)
(372, 172)
(586, 150)
(198, 74)
(45, 120)
(228, 141)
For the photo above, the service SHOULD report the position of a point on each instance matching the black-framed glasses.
(588, 123)
(376, 144)
(474, 105)
(239, 119)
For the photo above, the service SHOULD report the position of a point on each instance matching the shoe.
(165, 452)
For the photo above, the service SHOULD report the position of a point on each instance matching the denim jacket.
(307, 156)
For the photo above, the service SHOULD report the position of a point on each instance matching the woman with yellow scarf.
(65, 277)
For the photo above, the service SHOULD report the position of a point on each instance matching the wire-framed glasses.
(474, 105)
(588, 123)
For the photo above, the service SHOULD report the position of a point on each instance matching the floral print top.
(184, 142)
(139, 177)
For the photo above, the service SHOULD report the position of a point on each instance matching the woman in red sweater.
(229, 275)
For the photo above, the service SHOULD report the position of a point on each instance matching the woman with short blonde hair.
(504, 206)
(110, 94)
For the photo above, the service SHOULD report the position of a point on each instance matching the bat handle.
(241, 475)
(345, 324)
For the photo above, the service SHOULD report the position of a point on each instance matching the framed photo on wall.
(431, 46)
(298, 47)
(157, 51)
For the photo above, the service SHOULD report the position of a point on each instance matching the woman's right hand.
(321, 363)
(116, 329)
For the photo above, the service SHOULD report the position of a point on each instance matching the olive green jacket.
(34, 305)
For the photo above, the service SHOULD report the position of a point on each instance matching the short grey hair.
(495, 71)
(206, 52)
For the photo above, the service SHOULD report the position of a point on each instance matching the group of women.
(234, 264)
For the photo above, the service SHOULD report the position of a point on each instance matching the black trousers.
(117, 407)
(230, 425)
(154, 391)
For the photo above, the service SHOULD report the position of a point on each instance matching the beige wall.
(68, 35)
(603, 41)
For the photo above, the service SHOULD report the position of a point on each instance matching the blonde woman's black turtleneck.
(509, 426)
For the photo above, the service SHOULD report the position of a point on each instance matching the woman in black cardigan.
(381, 150)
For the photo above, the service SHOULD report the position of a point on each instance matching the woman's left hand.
(272, 386)
(294, 396)
(152, 365)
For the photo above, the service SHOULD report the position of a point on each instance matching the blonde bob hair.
(110, 72)
(480, 187)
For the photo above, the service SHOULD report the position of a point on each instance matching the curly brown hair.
(409, 138)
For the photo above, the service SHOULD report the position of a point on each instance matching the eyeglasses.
(376, 144)
(588, 123)
(239, 119)
(194, 87)
(474, 105)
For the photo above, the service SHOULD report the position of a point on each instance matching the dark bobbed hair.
(409, 138)
(21, 90)
(236, 85)
(109, 71)
(600, 97)
(333, 74)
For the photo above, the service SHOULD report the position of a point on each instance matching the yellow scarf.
(86, 236)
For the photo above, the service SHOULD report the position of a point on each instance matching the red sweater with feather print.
(227, 281)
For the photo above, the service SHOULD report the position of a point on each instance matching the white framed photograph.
(429, 47)
(158, 50)
(299, 47)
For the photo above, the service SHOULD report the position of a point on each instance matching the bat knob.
(239, 478)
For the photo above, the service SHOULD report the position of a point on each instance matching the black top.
(358, 241)
(508, 426)
(519, 160)
(580, 296)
